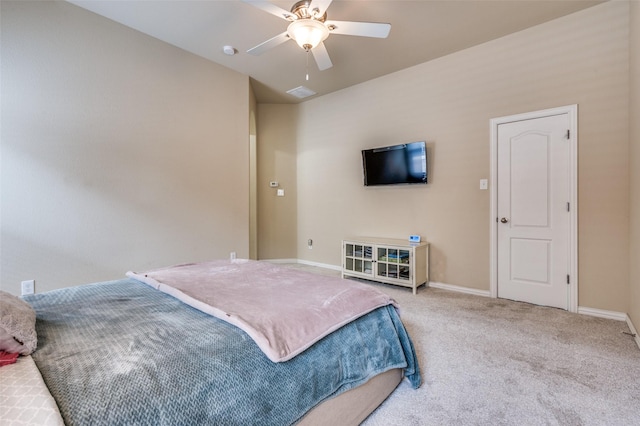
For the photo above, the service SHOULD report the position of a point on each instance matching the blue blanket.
(122, 353)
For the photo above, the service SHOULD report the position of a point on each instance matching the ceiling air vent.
(301, 92)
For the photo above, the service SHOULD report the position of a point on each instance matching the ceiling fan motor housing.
(303, 11)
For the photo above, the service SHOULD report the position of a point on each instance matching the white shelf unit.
(386, 260)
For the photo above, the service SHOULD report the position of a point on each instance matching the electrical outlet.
(28, 287)
(232, 256)
(310, 243)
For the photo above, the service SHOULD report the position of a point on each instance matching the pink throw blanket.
(283, 310)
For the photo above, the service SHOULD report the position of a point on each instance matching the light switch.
(280, 192)
(484, 184)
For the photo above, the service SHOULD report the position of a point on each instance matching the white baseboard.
(633, 331)
(450, 287)
(618, 316)
(601, 313)
(460, 289)
(280, 260)
(320, 265)
(305, 262)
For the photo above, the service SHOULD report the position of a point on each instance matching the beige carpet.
(496, 362)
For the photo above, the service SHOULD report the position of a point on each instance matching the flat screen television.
(396, 164)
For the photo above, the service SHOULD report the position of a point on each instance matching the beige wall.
(579, 59)
(119, 151)
(277, 217)
(253, 177)
(634, 49)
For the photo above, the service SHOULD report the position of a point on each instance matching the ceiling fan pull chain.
(307, 65)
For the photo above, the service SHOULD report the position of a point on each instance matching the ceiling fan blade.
(321, 57)
(363, 29)
(321, 5)
(272, 9)
(271, 43)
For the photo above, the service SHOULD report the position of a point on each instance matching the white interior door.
(533, 210)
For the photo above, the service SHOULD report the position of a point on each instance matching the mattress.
(24, 398)
(354, 406)
(198, 365)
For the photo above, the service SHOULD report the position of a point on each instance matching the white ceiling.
(421, 30)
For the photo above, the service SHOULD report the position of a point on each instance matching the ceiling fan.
(309, 27)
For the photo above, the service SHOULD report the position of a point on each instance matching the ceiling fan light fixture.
(308, 33)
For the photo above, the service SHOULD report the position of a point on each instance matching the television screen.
(397, 164)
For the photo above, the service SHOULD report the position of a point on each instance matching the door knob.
(504, 220)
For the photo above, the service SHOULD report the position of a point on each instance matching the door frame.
(572, 111)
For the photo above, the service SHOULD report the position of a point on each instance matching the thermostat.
(414, 238)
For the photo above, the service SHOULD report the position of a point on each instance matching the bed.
(148, 350)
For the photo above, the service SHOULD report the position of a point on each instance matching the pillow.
(17, 325)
